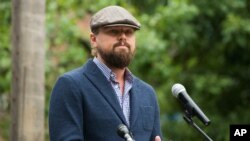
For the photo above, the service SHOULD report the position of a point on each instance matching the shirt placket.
(122, 98)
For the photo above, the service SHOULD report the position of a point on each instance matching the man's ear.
(93, 39)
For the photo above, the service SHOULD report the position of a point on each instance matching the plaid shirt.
(124, 99)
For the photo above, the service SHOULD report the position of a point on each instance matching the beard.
(117, 58)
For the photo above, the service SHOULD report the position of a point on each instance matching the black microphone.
(180, 92)
(123, 132)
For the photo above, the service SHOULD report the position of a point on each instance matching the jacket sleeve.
(66, 111)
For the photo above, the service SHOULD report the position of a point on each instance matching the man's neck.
(119, 73)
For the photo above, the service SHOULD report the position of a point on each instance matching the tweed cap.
(113, 16)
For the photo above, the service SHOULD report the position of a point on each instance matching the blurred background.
(204, 45)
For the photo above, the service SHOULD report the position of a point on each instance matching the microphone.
(123, 132)
(180, 92)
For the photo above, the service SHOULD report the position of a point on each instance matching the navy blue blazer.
(84, 107)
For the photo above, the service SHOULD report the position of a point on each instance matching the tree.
(28, 52)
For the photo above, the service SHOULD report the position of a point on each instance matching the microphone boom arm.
(189, 120)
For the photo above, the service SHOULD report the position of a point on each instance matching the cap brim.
(127, 25)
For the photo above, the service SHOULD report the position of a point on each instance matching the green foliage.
(202, 44)
(5, 17)
(5, 63)
(4, 125)
(205, 47)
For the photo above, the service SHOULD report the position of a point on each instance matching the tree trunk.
(28, 52)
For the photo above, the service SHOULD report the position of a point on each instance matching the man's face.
(115, 45)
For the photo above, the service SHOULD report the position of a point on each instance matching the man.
(90, 102)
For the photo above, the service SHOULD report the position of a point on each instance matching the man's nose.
(122, 36)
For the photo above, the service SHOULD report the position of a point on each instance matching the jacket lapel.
(94, 74)
(134, 103)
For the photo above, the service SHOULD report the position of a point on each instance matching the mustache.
(121, 44)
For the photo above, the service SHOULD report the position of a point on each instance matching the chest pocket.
(147, 117)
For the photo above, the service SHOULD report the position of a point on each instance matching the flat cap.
(113, 16)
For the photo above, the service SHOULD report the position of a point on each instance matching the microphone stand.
(188, 118)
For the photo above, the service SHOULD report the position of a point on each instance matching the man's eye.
(114, 32)
(129, 32)
(118, 32)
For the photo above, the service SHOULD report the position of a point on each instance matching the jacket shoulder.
(77, 73)
(143, 85)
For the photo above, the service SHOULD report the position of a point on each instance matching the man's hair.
(94, 51)
(95, 31)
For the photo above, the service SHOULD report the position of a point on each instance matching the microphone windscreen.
(122, 130)
(177, 88)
